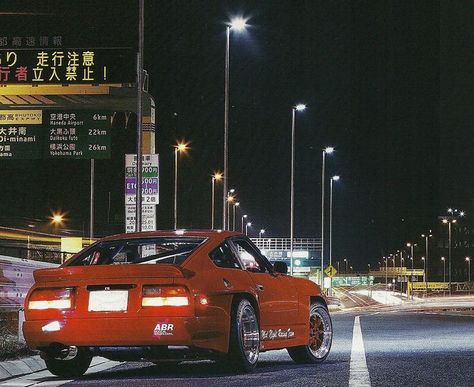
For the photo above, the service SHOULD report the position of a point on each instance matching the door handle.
(260, 287)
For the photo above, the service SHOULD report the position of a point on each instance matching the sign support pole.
(138, 214)
(91, 219)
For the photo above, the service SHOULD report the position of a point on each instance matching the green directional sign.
(65, 134)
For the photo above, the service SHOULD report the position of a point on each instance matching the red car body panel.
(282, 306)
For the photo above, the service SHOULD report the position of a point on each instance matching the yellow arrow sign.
(330, 271)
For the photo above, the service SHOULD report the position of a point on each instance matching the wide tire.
(244, 346)
(320, 337)
(67, 368)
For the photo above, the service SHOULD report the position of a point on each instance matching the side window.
(222, 256)
(249, 257)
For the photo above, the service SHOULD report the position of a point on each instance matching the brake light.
(60, 298)
(164, 296)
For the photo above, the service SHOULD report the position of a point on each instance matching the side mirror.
(281, 267)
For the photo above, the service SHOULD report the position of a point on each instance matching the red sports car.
(173, 296)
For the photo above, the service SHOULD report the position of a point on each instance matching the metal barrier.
(16, 278)
(42, 254)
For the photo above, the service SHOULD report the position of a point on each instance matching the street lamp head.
(336, 178)
(408, 244)
(422, 258)
(238, 24)
(232, 190)
(244, 216)
(329, 150)
(445, 221)
(442, 258)
(230, 199)
(262, 231)
(450, 210)
(237, 204)
(249, 224)
(57, 218)
(454, 221)
(217, 176)
(181, 146)
(462, 213)
(468, 259)
(300, 107)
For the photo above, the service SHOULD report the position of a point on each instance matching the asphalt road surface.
(400, 349)
(377, 348)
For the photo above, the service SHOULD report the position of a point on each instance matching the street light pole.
(333, 179)
(237, 24)
(179, 147)
(386, 273)
(444, 268)
(91, 218)
(226, 127)
(213, 194)
(248, 224)
(468, 260)
(294, 109)
(236, 204)
(449, 255)
(327, 150)
(243, 217)
(175, 187)
(426, 236)
(141, 37)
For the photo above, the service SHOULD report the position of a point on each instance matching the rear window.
(139, 251)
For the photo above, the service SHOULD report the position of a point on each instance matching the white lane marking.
(359, 373)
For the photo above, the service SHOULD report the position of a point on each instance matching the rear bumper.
(200, 332)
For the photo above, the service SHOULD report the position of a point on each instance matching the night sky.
(388, 83)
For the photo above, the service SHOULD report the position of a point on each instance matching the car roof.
(214, 234)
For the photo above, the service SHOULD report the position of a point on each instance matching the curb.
(13, 368)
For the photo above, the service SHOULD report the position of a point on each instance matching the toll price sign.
(150, 179)
(148, 218)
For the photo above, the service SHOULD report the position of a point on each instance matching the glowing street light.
(57, 219)
(180, 147)
(248, 224)
(217, 176)
(237, 24)
(299, 107)
(261, 232)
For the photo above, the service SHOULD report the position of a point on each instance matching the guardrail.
(34, 254)
(16, 278)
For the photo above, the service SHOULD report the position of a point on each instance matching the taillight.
(59, 298)
(164, 296)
